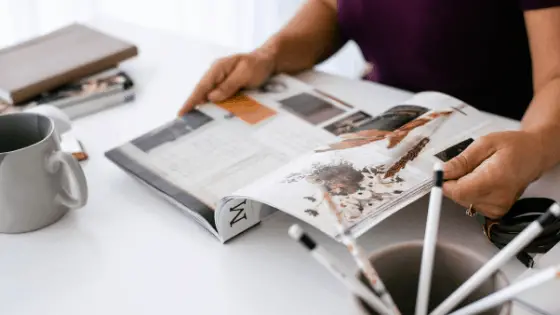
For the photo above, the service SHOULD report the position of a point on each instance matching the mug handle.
(73, 170)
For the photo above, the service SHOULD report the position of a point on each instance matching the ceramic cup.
(399, 268)
(35, 175)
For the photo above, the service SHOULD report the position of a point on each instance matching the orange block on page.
(247, 109)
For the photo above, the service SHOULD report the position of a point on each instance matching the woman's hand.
(228, 75)
(492, 173)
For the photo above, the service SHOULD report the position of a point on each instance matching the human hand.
(228, 75)
(492, 173)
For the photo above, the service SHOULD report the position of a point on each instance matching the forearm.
(309, 38)
(543, 119)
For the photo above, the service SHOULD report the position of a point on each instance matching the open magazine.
(225, 164)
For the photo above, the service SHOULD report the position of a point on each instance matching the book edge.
(101, 64)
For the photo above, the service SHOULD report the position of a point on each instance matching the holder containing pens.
(399, 267)
(431, 277)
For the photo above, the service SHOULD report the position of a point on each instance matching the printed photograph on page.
(406, 131)
(279, 87)
(301, 101)
(355, 178)
(389, 120)
(457, 121)
(369, 168)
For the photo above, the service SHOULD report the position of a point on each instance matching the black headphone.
(500, 232)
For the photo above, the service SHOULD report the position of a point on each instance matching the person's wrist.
(546, 139)
(268, 52)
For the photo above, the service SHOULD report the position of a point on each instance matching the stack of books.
(74, 68)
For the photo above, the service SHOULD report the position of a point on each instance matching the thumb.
(469, 159)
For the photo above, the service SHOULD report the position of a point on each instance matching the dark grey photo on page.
(355, 122)
(395, 117)
(454, 150)
(389, 120)
(310, 108)
(172, 130)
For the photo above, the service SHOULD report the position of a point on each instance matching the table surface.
(130, 252)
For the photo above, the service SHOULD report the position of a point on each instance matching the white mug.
(61, 120)
(35, 175)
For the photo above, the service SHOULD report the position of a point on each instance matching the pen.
(430, 240)
(510, 292)
(531, 232)
(328, 261)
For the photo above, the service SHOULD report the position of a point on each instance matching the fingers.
(214, 76)
(467, 191)
(484, 199)
(491, 211)
(469, 159)
(238, 78)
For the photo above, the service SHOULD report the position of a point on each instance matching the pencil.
(510, 292)
(359, 255)
(430, 240)
(331, 264)
(516, 245)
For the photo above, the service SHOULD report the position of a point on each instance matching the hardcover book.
(54, 59)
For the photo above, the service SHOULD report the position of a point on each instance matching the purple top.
(475, 50)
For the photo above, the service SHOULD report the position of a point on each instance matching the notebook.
(51, 60)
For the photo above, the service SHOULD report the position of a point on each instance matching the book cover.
(51, 60)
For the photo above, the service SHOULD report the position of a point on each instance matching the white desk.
(130, 252)
(544, 297)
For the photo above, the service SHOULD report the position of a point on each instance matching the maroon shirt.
(475, 50)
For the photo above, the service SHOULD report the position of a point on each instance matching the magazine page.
(443, 120)
(374, 171)
(217, 149)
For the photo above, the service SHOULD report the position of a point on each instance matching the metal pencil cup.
(399, 268)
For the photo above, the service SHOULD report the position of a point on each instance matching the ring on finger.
(471, 212)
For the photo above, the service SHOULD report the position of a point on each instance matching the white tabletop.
(544, 297)
(130, 252)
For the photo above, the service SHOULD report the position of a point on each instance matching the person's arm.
(310, 37)
(494, 171)
(543, 115)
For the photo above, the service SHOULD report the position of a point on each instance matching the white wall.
(242, 24)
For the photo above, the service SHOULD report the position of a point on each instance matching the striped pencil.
(322, 256)
(359, 255)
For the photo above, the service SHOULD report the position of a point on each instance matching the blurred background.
(240, 24)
